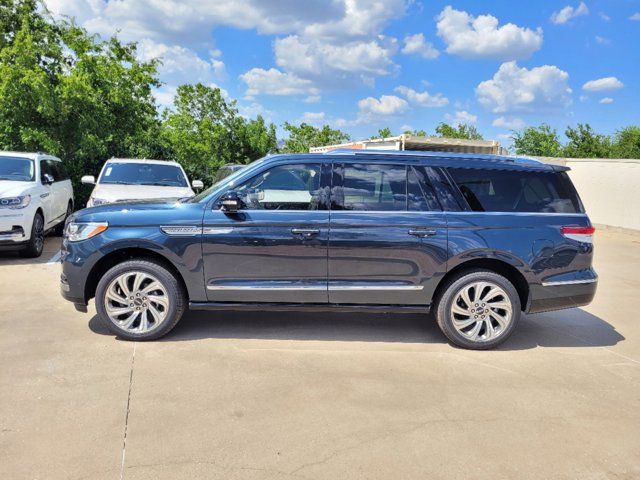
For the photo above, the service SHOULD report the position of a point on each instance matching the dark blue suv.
(476, 240)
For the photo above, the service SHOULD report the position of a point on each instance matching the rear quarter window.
(517, 191)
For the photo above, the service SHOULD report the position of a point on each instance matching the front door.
(275, 248)
(388, 235)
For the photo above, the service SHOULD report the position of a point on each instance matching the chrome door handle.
(305, 232)
(421, 232)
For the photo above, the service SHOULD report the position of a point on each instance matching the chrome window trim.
(569, 282)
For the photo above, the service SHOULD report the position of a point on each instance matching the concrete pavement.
(316, 396)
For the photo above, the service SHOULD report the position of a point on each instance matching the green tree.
(463, 130)
(539, 141)
(415, 133)
(71, 94)
(626, 143)
(204, 131)
(585, 143)
(383, 133)
(304, 136)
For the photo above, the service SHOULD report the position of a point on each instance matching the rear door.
(275, 248)
(388, 235)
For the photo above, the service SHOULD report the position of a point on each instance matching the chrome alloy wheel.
(481, 311)
(136, 302)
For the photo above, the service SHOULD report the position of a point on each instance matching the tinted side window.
(45, 169)
(516, 191)
(53, 169)
(420, 193)
(371, 188)
(285, 187)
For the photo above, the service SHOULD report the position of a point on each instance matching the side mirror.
(88, 180)
(230, 202)
(47, 179)
(197, 184)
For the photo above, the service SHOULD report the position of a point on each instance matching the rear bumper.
(561, 294)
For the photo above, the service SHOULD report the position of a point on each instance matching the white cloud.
(602, 40)
(312, 99)
(193, 20)
(342, 35)
(606, 100)
(313, 58)
(274, 82)
(461, 117)
(635, 17)
(481, 37)
(604, 16)
(180, 64)
(512, 123)
(567, 13)
(515, 89)
(313, 118)
(416, 44)
(371, 108)
(423, 99)
(253, 110)
(602, 84)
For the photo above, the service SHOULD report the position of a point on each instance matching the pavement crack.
(126, 417)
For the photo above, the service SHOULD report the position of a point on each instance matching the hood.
(9, 188)
(118, 193)
(143, 213)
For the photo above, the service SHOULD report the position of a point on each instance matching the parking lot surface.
(317, 395)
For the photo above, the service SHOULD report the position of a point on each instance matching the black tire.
(36, 240)
(59, 229)
(174, 292)
(445, 318)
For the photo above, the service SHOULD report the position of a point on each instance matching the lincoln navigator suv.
(475, 240)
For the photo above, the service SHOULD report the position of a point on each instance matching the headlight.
(94, 202)
(15, 202)
(76, 231)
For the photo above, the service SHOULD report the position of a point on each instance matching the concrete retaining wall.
(609, 188)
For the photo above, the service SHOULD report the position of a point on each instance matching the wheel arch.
(120, 255)
(500, 267)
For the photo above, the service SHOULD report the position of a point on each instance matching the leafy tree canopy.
(539, 141)
(463, 130)
(304, 136)
(204, 131)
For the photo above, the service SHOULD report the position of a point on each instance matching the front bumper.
(15, 228)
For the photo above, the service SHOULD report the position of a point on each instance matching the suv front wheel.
(140, 300)
(478, 309)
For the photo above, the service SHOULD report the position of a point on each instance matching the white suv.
(35, 196)
(135, 179)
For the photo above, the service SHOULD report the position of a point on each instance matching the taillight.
(580, 234)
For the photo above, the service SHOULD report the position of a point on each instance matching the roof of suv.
(31, 155)
(444, 159)
(142, 160)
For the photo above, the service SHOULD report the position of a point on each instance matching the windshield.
(143, 174)
(226, 180)
(17, 169)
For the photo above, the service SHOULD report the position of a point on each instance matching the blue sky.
(360, 65)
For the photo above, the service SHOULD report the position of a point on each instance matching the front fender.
(183, 252)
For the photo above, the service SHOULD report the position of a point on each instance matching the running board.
(314, 307)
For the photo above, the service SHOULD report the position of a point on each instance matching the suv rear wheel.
(140, 300)
(478, 309)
